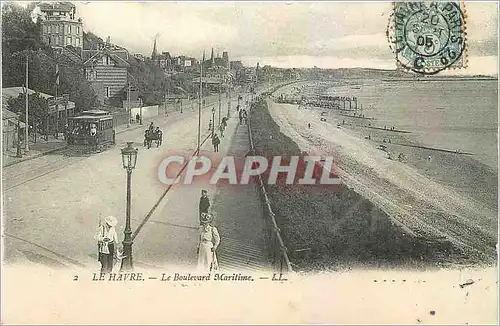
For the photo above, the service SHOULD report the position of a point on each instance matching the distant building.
(165, 61)
(218, 68)
(140, 57)
(184, 64)
(60, 27)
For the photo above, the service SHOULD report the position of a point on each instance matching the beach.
(444, 189)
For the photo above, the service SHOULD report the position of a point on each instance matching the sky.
(282, 34)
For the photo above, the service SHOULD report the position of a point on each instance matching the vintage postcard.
(299, 162)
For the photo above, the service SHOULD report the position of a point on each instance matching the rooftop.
(56, 6)
(11, 92)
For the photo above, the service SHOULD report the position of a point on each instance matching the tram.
(91, 131)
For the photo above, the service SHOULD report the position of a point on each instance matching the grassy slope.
(341, 228)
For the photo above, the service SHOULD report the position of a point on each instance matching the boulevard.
(53, 203)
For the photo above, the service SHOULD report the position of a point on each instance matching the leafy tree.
(38, 109)
(21, 38)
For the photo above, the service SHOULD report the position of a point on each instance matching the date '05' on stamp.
(428, 37)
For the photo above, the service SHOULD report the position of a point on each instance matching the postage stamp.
(428, 37)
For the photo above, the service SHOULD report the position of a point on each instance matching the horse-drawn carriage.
(90, 131)
(153, 135)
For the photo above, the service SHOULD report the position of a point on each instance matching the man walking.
(216, 142)
(204, 204)
(245, 116)
(221, 129)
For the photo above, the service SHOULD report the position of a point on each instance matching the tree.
(22, 38)
(38, 109)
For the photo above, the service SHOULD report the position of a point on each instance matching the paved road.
(52, 203)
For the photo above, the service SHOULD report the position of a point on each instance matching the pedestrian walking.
(240, 115)
(245, 117)
(137, 118)
(204, 204)
(107, 240)
(216, 142)
(209, 241)
(221, 129)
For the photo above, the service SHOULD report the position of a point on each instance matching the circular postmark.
(427, 37)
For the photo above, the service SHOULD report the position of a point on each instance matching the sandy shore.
(449, 198)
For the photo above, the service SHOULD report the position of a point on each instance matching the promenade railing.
(276, 248)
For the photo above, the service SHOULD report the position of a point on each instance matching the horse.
(149, 136)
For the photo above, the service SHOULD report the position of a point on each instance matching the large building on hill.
(60, 26)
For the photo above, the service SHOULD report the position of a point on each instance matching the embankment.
(331, 228)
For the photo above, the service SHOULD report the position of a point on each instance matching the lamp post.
(128, 106)
(213, 121)
(26, 125)
(129, 159)
(185, 93)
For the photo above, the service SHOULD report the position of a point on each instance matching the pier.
(385, 129)
(434, 149)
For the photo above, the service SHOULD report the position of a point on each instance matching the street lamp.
(186, 93)
(129, 159)
(229, 101)
(213, 121)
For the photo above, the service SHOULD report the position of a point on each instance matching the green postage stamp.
(428, 37)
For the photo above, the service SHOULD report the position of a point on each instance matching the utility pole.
(128, 106)
(26, 126)
(18, 153)
(200, 94)
(57, 102)
(220, 100)
(140, 106)
(229, 101)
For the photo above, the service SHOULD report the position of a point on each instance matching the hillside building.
(60, 26)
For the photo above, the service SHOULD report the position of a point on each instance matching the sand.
(451, 197)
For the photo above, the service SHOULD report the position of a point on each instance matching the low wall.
(120, 118)
(147, 112)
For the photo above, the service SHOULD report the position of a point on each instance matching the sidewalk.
(170, 237)
(240, 221)
(40, 148)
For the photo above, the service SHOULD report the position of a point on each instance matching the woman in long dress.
(209, 241)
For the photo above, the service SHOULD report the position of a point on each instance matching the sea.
(450, 114)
